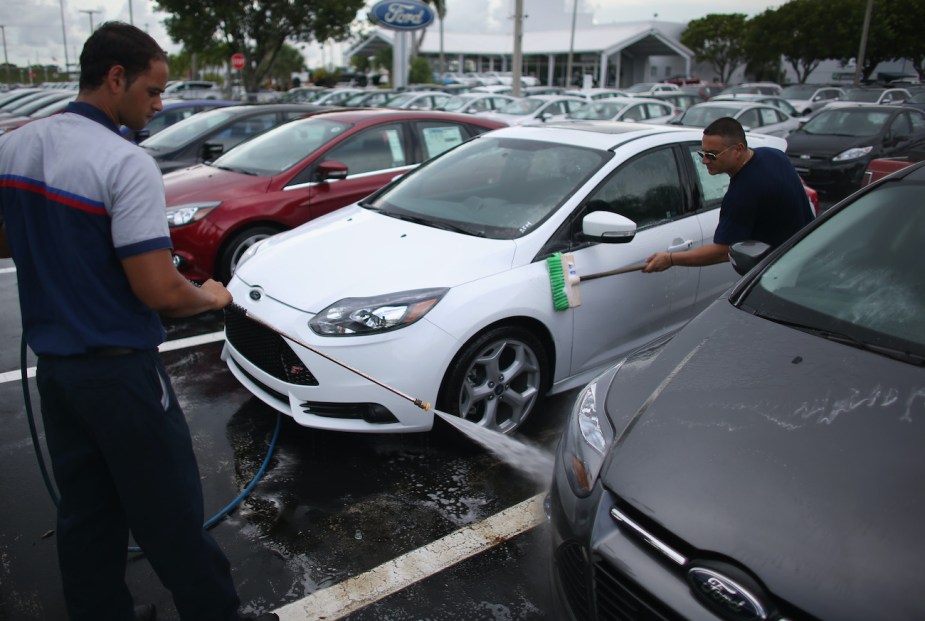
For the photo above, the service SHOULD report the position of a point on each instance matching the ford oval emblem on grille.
(725, 596)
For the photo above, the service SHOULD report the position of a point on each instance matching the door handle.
(679, 245)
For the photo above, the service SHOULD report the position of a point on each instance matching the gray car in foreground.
(767, 461)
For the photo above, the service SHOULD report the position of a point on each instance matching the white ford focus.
(438, 287)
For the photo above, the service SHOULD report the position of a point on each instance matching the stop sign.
(237, 61)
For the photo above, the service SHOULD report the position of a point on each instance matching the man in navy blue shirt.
(82, 212)
(765, 201)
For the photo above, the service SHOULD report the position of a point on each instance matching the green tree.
(419, 72)
(906, 17)
(800, 31)
(719, 40)
(256, 28)
(288, 61)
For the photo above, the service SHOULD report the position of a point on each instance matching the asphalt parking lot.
(359, 527)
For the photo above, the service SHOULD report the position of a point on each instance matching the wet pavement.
(330, 507)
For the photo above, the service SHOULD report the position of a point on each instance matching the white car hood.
(354, 252)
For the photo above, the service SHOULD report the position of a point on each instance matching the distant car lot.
(444, 292)
(672, 473)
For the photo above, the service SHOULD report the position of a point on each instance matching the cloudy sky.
(34, 34)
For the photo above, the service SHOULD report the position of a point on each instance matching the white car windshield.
(598, 110)
(499, 188)
(282, 147)
(521, 107)
(701, 116)
(857, 277)
(799, 92)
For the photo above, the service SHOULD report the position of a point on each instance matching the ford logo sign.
(726, 597)
(402, 14)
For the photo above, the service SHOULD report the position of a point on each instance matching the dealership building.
(614, 55)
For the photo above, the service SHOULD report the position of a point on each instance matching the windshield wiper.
(437, 224)
(237, 170)
(846, 339)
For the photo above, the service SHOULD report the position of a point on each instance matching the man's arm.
(709, 254)
(4, 247)
(159, 285)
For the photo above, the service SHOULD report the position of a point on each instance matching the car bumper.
(194, 249)
(832, 178)
(313, 382)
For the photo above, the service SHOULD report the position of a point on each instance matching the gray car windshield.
(500, 188)
(182, 132)
(858, 276)
(799, 91)
(282, 147)
(847, 122)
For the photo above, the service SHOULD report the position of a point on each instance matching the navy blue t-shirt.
(765, 201)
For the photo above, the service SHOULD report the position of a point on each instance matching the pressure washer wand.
(424, 405)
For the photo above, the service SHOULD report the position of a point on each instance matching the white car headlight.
(588, 436)
(191, 212)
(361, 316)
(852, 154)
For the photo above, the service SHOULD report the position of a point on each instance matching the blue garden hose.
(215, 519)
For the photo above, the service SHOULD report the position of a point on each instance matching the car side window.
(918, 121)
(634, 113)
(647, 189)
(901, 126)
(768, 116)
(749, 119)
(712, 188)
(242, 129)
(379, 148)
(437, 137)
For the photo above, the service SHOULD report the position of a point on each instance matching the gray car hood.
(799, 458)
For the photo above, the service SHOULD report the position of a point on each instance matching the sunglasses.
(712, 156)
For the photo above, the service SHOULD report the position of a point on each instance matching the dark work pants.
(123, 459)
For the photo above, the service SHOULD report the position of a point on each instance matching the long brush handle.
(622, 270)
(424, 405)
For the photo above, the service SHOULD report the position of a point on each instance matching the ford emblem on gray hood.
(725, 596)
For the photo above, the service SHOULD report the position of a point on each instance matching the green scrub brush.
(564, 279)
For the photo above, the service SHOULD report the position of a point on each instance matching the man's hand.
(658, 262)
(162, 288)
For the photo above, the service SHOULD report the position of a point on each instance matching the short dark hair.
(727, 128)
(117, 43)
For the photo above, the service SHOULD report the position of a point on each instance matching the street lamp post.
(90, 13)
(67, 64)
(6, 61)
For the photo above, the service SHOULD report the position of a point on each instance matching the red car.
(879, 168)
(297, 172)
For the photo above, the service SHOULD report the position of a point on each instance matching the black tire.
(237, 246)
(496, 379)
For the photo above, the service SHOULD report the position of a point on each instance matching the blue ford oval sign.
(402, 14)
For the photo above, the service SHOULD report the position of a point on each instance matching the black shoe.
(145, 612)
(266, 616)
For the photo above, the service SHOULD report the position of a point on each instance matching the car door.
(709, 191)
(905, 136)
(621, 312)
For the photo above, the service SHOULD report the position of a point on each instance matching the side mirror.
(331, 170)
(608, 228)
(212, 150)
(141, 134)
(745, 255)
